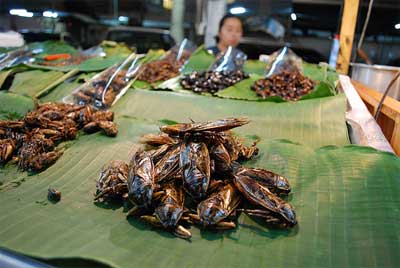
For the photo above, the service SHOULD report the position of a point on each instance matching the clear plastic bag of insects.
(106, 88)
(232, 60)
(284, 77)
(18, 56)
(182, 51)
(284, 60)
(168, 66)
(225, 72)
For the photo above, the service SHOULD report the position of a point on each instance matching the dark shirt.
(214, 50)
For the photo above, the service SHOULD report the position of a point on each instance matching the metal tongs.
(132, 70)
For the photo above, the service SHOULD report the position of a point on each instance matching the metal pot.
(377, 77)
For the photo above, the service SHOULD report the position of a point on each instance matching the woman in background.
(230, 32)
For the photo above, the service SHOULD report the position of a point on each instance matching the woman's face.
(231, 32)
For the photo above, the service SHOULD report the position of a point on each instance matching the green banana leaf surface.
(3, 76)
(115, 53)
(32, 82)
(62, 90)
(89, 65)
(14, 106)
(52, 47)
(346, 197)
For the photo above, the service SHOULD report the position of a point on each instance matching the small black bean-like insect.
(53, 195)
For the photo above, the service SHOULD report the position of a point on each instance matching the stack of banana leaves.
(345, 197)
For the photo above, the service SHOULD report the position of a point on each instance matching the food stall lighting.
(50, 14)
(21, 13)
(293, 16)
(397, 26)
(123, 19)
(237, 10)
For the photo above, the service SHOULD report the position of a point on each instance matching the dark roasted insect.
(216, 126)
(109, 127)
(159, 152)
(37, 154)
(168, 166)
(157, 140)
(15, 125)
(113, 181)
(272, 209)
(93, 122)
(195, 165)
(53, 195)
(214, 211)
(275, 183)
(221, 157)
(226, 149)
(42, 161)
(140, 181)
(7, 147)
(169, 211)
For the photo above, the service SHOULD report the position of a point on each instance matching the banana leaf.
(152, 54)
(52, 47)
(346, 197)
(7, 49)
(3, 76)
(62, 90)
(346, 200)
(115, 53)
(33, 82)
(306, 122)
(199, 61)
(90, 65)
(10, 72)
(13, 106)
(254, 67)
(320, 72)
(112, 48)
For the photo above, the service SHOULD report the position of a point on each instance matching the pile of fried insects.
(31, 142)
(191, 174)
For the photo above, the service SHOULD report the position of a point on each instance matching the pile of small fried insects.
(288, 85)
(31, 141)
(211, 81)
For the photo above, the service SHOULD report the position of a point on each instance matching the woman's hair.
(222, 22)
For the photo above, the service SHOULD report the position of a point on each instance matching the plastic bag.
(284, 60)
(232, 60)
(107, 87)
(170, 65)
(181, 53)
(96, 51)
(18, 56)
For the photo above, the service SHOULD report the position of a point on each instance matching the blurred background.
(309, 27)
